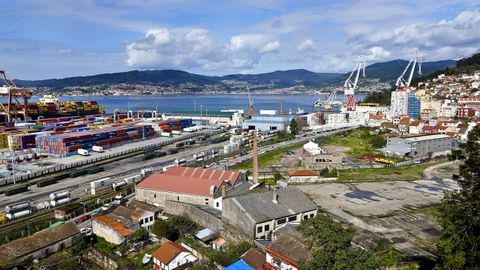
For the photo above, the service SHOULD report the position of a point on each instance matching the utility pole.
(255, 157)
(281, 104)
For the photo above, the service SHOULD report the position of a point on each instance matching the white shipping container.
(97, 148)
(82, 152)
(165, 134)
(176, 132)
(100, 183)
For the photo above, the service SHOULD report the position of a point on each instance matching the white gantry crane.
(416, 60)
(251, 110)
(351, 85)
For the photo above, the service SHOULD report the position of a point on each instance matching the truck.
(82, 152)
(97, 148)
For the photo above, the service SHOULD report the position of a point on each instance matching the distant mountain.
(385, 72)
(391, 70)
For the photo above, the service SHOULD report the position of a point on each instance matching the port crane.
(416, 60)
(351, 84)
(251, 110)
(13, 93)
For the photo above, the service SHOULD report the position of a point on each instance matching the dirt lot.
(394, 210)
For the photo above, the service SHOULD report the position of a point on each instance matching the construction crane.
(13, 93)
(251, 110)
(417, 59)
(350, 86)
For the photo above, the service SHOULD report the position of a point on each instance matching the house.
(40, 244)
(119, 224)
(415, 126)
(189, 185)
(257, 214)
(302, 176)
(172, 256)
(375, 120)
(253, 259)
(157, 211)
(285, 252)
(67, 211)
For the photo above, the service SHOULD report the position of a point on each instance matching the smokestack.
(255, 157)
(224, 189)
(274, 196)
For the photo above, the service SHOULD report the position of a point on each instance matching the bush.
(174, 227)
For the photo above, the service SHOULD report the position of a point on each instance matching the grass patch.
(410, 173)
(360, 141)
(137, 258)
(269, 158)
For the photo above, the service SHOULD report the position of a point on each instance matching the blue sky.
(42, 39)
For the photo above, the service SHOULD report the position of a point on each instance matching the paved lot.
(378, 198)
(393, 210)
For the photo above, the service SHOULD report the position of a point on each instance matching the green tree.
(354, 259)
(378, 141)
(165, 229)
(459, 213)
(293, 127)
(140, 234)
(277, 176)
(324, 172)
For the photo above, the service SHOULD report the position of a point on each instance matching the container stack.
(3, 140)
(67, 144)
(24, 141)
(175, 124)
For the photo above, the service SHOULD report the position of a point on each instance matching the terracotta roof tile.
(303, 173)
(114, 225)
(179, 180)
(168, 251)
(254, 257)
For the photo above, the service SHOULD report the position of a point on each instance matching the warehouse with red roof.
(187, 184)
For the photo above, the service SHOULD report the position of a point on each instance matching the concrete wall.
(110, 235)
(233, 213)
(194, 213)
(160, 197)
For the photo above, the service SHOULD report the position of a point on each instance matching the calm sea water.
(203, 103)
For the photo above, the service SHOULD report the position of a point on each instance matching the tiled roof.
(25, 246)
(128, 213)
(145, 206)
(289, 247)
(168, 251)
(303, 173)
(254, 257)
(188, 180)
(114, 225)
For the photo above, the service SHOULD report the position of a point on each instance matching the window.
(154, 195)
(281, 221)
(259, 229)
(218, 204)
(141, 221)
(151, 218)
(178, 198)
(267, 227)
(294, 218)
(312, 215)
(206, 199)
(206, 203)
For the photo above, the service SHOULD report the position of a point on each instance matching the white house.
(172, 256)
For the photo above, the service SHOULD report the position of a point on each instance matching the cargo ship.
(50, 106)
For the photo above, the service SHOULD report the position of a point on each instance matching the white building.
(172, 256)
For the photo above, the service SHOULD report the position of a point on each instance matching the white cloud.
(450, 38)
(195, 48)
(377, 53)
(307, 45)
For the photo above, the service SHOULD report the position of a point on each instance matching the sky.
(42, 39)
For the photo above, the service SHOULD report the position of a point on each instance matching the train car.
(95, 169)
(172, 151)
(3, 219)
(59, 195)
(20, 214)
(16, 189)
(60, 202)
(79, 172)
(181, 162)
(146, 171)
(199, 155)
(17, 207)
(180, 144)
(47, 182)
(100, 184)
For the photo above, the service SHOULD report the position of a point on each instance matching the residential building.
(413, 105)
(173, 256)
(420, 146)
(190, 185)
(405, 102)
(257, 214)
(40, 244)
(253, 259)
(285, 252)
(302, 176)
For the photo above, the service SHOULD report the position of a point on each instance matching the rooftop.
(426, 138)
(290, 247)
(188, 180)
(168, 251)
(114, 224)
(25, 246)
(303, 173)
(260, 207)
(254, 257)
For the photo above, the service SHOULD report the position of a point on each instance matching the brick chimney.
(255, 157)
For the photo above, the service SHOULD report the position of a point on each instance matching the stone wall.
(161, 197)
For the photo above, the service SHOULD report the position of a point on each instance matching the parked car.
(135, 246)
(86, 231)
(84, 218)
(105, 207)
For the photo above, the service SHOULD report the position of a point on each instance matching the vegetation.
(409, 173)
(459, 212)
(382, 97)
(293, 127)
(140, 234)
(269, 158)
(174, 227)
(330, 247)
(464, 65)
(224, 257)
(360, 141)
(67, 264)
(325, 172)
(103, 246)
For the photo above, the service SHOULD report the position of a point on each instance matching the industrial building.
(189, 185)
(420, 146)
(259, 214)
(268, 122)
